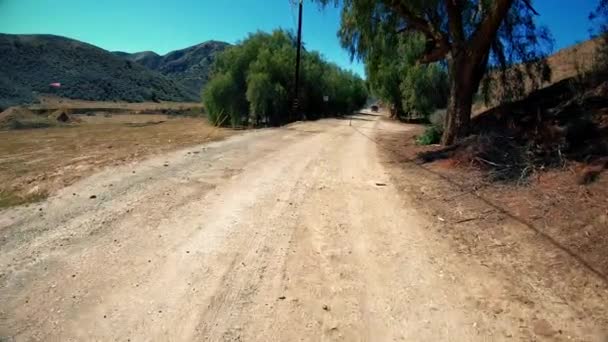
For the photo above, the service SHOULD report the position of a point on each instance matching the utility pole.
(296, 101)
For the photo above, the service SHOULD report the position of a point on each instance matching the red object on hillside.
(55, 85)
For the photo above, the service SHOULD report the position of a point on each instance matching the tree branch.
(454, 8)
(437, 54)
(404, 30)
(440, 46)
(487, 29)
(413, 20)
(529, 5)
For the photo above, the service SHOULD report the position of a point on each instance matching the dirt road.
(273, 235)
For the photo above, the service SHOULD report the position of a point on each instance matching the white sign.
(325, 98)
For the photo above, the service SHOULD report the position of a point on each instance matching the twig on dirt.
(489, 162)
(460, 194)
(467, 220)
(523, 175)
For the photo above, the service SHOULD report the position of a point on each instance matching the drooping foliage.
(412, 90)
(253, 82)
(467, 35)
(519, 42)
(600, 17)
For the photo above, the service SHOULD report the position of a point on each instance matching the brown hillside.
(571, 62)
(564, 123)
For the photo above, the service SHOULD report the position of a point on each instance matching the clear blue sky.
(165, 25)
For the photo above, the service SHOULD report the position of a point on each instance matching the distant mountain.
(149, 59)
(190, 66)
(30, 63)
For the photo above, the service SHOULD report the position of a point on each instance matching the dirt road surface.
(282, 234)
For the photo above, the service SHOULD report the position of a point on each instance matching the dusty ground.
(550, 202)
(308, 232)
(37, 162)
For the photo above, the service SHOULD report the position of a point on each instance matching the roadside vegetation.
(464, 36)
(252, 84)
(431, 61)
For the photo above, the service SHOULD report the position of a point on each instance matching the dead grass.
(34, 163)
(552, 128)
(550, 235)
(11, 199)
(575, 61)
(565, 216)
(53, 102)
(23, 118)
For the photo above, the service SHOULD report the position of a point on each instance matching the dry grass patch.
(36, 162)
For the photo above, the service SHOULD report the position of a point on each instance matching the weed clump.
(432, 135)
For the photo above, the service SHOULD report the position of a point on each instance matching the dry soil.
(297, 233)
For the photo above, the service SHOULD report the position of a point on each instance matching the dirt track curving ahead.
(282, 234)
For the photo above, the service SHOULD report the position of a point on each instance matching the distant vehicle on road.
(374, 109)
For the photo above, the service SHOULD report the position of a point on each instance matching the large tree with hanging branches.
(468, 35)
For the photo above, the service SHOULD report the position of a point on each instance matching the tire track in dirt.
(281, 234)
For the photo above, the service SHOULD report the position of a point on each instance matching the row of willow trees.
(252, 84)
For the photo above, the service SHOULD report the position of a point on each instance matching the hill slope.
(190, 66)
(571, 62)
(29, 63)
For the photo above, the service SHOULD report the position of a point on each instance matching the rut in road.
(278, 234)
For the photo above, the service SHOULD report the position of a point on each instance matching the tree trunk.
(458, 114)
(465, 76)
(467, 63)
(394, 113)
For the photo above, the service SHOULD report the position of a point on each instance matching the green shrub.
(423, 90)
(432, 135)
(412, 90)
(218, 97)
(437, 119)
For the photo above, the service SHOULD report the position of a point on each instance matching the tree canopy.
(253, 82)
(410, 89)
(468, 35)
